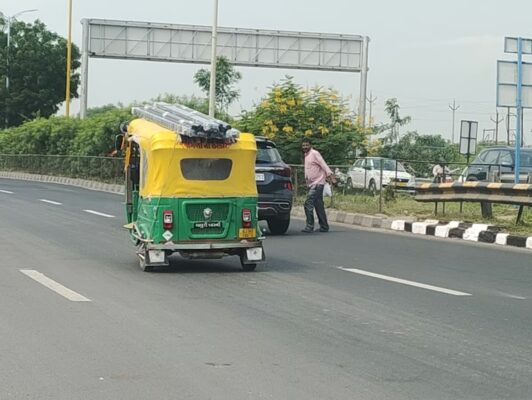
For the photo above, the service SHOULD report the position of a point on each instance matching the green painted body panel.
(226, 218)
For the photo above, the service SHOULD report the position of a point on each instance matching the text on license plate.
(247, 233)
(209, 224)
(259, 177)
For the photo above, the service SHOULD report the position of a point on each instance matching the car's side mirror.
(123, 127)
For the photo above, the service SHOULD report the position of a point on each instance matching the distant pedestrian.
(440, 172)
(317, 172)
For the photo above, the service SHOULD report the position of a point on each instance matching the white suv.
(365, 174)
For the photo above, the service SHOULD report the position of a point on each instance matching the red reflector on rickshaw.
(168, 219)
(246, 218)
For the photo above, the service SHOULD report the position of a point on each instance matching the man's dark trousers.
(315, 200)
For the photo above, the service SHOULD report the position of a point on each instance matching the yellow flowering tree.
(288, 113)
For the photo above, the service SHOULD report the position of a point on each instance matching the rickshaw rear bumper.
(226, 245)
(250, 251)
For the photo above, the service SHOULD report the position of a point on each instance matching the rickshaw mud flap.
(151, 257)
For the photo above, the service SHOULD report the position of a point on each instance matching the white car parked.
(365, 174)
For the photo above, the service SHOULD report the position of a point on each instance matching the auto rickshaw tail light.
(246, 218)
(168, 219)
(289, 186)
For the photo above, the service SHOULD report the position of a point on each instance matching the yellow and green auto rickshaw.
(190, 188)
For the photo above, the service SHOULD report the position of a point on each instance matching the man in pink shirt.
(317, 172)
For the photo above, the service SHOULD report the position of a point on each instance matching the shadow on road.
(228, 265)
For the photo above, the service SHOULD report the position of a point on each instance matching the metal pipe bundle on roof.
(190, 124)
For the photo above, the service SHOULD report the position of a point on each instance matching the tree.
(421, 151)
(37, 65)
(226, 77)
(288, 113)
(392, 108)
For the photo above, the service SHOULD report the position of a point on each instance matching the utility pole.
(497, 121)
(6, 116)
(488, 131)
(484, 134)
(363, 81)
(371, 100)
(212, 87)
(68, 60)
(453, 108)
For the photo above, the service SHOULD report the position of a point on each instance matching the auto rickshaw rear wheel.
(143, 266)
(247, 267)
(143, 255)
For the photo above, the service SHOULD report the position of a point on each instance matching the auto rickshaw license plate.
(247, 233)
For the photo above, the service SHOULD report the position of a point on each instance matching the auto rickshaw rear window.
(206, 169)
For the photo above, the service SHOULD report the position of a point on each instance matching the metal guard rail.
(484, 192)
(504, 193)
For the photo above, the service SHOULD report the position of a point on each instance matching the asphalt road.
(350, 314)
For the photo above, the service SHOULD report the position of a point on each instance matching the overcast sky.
(423, 52)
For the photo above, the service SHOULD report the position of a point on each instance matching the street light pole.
(6, 113)
(9, 22)
(68, 60)
(212, 87)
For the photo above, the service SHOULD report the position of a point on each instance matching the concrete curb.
(368, 221)
(455, 229)
(61, 180)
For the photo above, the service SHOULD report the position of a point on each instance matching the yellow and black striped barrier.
(484, 192)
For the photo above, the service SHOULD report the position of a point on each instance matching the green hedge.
(93, 136)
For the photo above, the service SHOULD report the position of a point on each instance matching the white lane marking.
(99, 213)
(405, 282)
(51, 202)
(512, 296)
(6, 191)
(53, 285)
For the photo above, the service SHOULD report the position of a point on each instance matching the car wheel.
(278, 226)
(472, 178)
(372, 187)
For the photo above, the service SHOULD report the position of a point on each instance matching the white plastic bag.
(327, 190)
